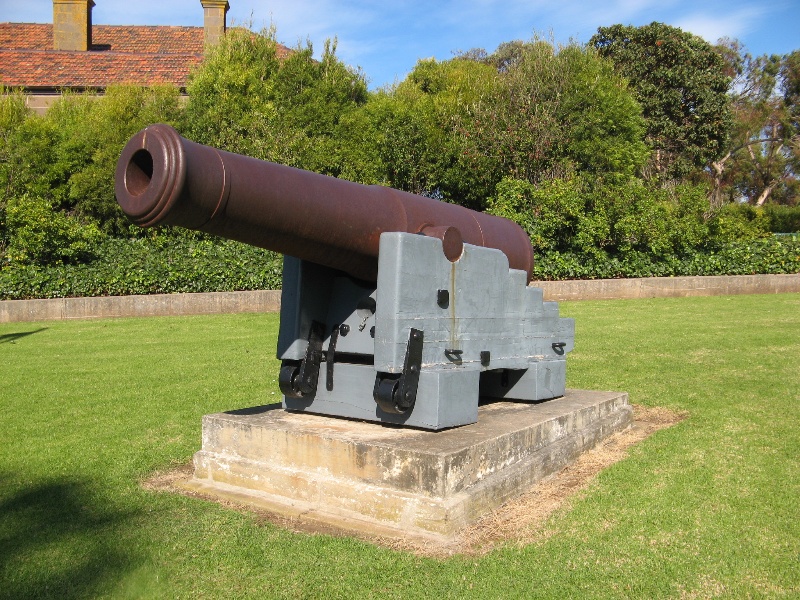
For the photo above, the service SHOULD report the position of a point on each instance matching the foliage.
(592, 217)
(416, 131)
(682, 86)
(68, 156)
(742, 219)
(98, 138)
(771, 255)
(762, 154)
(231, 98)
(317, 98)
(783, 219)
(43, 236)
(585, 229)
(790, 90)
(247, 99)
(557, 138)
(172, 264)
(155, 264)
(603, 120)
(13, 112)
(454, 129)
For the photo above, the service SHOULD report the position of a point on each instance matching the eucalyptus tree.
(761, 159)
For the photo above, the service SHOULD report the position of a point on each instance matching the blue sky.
(387, 37)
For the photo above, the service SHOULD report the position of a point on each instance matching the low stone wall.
(12, 311)
(668, 287)
(139, 306)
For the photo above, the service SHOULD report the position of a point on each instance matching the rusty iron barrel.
(165, 179)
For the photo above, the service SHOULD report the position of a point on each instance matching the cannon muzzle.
(165, 179)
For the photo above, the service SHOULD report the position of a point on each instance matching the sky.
(387, 37)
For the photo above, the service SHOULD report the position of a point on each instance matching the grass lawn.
(710, 507)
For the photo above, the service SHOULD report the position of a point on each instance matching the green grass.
(708, 507)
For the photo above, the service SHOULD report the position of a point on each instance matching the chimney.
(214, 25)
(72, 24)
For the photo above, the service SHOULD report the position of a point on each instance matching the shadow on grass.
(58, 539)
(11, 338)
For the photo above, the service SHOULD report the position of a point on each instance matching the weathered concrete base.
(359, 475)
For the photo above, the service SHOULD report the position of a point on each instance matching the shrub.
(592, 217)
(68, 155)
(584, 229)
(738, 222)
(783, 219)
(762, 256)
(246, 99)
(13, 113)
(38, 234)
(156, 264)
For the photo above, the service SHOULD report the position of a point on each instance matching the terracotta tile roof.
(26, 35)
(144, 55)
(50, 69)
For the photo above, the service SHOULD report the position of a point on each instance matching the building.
(74, 54)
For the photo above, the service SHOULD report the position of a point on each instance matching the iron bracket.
(329, 359)
(398, 393)
(297, 380)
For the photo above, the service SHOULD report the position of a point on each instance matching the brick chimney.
(72, 24)
(214, 16)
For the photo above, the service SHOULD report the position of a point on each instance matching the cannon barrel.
(165, 179)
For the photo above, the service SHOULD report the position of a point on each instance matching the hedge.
(158, 265)
(772, 255)
(783, 219)
(163, 264)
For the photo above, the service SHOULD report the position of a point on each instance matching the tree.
(681, 84)
(761, 158)
(530, 111)
(246, 99)
(790, 124)
(13, 113)
(231, 98)
(68, 156)
(93, 138)
(564, 109)
(444, 108)
(604, 125)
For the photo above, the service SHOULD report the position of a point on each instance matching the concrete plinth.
(383, 478)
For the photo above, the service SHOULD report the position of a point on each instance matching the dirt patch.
(518, 522)
(167, 480)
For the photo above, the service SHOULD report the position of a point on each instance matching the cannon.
(395, 308)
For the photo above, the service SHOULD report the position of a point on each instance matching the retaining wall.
(139, 306)
(12, 311)
(668, 287)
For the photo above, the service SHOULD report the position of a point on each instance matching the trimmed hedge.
(772, 255)
(783, 219)
(163, 264)
(153, 265)
(775, 218)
